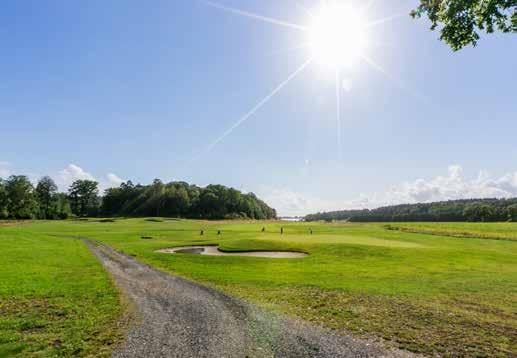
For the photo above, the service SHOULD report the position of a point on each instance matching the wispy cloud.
(454, 185)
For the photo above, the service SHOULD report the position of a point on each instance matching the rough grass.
(5, 223)
(55, 299)
(492, 231)
(430, 294)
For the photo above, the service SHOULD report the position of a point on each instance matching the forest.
(20, 199)
(473, 210)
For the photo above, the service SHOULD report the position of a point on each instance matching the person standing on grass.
(263, 229)
(202, 232)
(310, 230)
(281, 231)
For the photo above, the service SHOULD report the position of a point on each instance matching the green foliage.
(46, 191)
(462, 20)
(479, 212)
(63, 209)
(512, 212)
(83, 196)
(453, 210)
(21, 200)
(179, 199)
(4, 213)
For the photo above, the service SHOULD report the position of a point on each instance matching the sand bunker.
(214, 251)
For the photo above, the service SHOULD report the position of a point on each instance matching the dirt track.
(178, 318)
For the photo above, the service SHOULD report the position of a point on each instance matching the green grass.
(55, 299)
(427, 293)
(495, 231)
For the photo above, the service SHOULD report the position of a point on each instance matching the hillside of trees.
(180, 199)
(20, 199)
(454, 210)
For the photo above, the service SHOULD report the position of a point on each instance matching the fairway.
(426, 293)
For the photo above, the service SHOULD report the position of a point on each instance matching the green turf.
(55, 299)
(495, 231)
(427, 293)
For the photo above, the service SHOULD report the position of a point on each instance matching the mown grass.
(427, 293)
(55, 298)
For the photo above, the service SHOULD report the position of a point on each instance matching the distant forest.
(20, 199)
(475, 210)
(180, 199)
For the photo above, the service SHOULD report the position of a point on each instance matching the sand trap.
(214, 251)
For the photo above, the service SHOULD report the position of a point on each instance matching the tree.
(479, 212)
(512, 212)
(4, 213)
(83, 196)
(452, 210)
(21, 202)
(63, 210)
(462, 20)
(46, 195)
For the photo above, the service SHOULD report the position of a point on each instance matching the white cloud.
(74, 172)
(450, 187)
(64, 178)
(291, 203)
(71, 173)
(114, 180)
(453, 186)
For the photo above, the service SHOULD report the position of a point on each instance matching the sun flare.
(337, 36)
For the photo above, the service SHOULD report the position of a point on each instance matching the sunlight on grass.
(427, 293)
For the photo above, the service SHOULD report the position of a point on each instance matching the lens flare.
(337, 35)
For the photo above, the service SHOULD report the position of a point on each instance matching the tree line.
(20, 199)
(180, 199)
(474, 210)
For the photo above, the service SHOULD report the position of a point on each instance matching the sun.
(337, 36)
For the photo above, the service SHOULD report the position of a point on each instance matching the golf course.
(436, 288)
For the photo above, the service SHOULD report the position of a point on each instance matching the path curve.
(179, 318)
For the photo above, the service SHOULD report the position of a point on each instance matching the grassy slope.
(426, 293)
(496, 231)
(55, 299)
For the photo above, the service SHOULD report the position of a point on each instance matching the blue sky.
(139, 90)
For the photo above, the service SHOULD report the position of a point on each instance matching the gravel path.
(179, 318)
